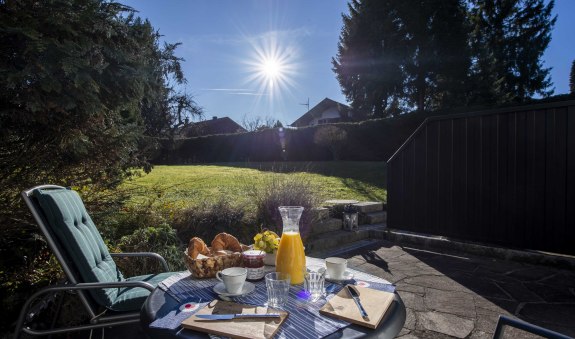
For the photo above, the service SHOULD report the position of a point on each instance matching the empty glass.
(277, 285)
(314, 282)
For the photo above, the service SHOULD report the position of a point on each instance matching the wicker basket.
(208, 267)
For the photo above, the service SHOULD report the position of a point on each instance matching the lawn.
(187, 185)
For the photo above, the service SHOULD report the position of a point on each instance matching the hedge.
(371, 140)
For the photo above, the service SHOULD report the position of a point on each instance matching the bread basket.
(208, 267)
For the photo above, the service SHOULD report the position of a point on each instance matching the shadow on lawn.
(353, 174)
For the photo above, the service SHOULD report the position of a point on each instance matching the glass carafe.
(291, 257)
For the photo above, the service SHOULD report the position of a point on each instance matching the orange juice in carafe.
(290, 257)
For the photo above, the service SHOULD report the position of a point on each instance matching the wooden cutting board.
(376, 303)
(236, 328)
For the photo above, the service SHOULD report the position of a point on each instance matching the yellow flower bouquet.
(267, 241)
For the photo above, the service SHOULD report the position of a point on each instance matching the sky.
(266, 58)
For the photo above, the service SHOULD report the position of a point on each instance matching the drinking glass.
(277, 285)
(314, 282)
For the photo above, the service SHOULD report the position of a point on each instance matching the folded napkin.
(335, 288)
(375, 285)
(173, 319)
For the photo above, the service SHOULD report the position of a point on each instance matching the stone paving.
(450, 294)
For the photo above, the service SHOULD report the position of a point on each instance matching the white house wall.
(330, 113)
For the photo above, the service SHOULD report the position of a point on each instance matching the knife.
(236, 316)
(355, 296)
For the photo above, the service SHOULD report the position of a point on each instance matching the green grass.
(182, 186)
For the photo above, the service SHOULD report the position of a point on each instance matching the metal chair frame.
(525, 326)
(97, 319)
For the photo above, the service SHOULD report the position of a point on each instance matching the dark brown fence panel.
(504, 177)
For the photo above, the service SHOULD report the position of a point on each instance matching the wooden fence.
(505, 177)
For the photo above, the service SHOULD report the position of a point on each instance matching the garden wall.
(503, 177)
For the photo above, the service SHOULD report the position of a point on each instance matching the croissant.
(197, 246)
(224, 241)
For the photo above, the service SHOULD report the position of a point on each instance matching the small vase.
(270, 258)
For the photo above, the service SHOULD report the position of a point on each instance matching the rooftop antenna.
(306, 104)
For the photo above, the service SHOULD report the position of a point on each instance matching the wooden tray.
(376, 303)
(236, 328)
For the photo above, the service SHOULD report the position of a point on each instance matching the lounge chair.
(108, 297)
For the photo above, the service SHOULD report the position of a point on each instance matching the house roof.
(215, 125)
(318, 109)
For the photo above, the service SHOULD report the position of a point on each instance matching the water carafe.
(290, 256)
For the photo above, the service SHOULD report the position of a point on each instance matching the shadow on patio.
(462, 295)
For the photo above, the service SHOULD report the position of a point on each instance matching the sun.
(271, 69)
(271, 66)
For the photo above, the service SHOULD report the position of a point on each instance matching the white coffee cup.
(233, 279)
(336, 267)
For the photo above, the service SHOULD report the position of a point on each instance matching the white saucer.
(347, 275)
(221, 289)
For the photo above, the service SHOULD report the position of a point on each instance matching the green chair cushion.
(76, 232)
(132, 299)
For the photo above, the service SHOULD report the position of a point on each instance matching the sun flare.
(272, 66)
(272, 69)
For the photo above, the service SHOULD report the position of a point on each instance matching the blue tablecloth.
(304, 319)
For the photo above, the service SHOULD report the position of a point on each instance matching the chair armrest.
(525, 326)
(80, 286)
(97, 285)
(143, 254)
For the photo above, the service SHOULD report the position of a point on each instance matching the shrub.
(161, 239)
(331, 137)
(285, 190)
(210, 218)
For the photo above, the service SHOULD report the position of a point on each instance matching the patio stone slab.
(515, 333)
(449, 264)
(480, 285)
(445, 323)
(410, 320)
(477, 334)
(369, 206)
(551, 293)
(532, 273)
(563, 278)
(494, 276)
(355, 261)
(487, 307)
(455, 302)
(438, 282)
(549, 314)
(519, 292)
(413, 301)
(428, 335)
(403, 286)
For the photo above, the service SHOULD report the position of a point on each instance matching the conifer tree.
(439, 59)
(406, 53)
(371, 51)
(508, 40)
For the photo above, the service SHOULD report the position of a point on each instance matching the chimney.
(214, 118)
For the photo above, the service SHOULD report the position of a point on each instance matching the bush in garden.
(161, 239)
(285, 190)
(210, 218)
(332, 137)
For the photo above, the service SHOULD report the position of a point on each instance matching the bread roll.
(224, 241)
(197, 246)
